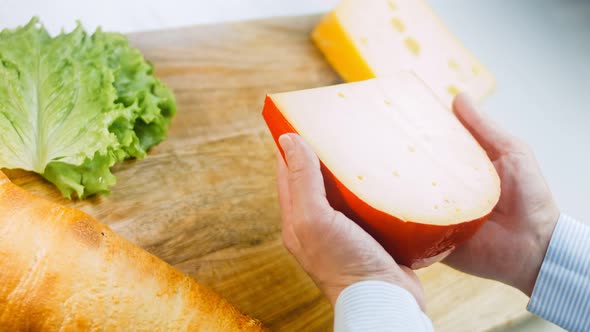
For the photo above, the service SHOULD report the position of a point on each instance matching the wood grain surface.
(205, 200)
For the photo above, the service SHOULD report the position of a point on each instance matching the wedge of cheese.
(365, 39)
(395, 161)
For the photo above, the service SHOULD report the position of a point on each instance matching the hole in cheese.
(398, 24)
(453, 90)
(412, 45)
(392, 5)
(454, 65)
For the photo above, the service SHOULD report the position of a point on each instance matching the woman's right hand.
(511, 245)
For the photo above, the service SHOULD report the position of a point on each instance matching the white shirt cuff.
(562, 290)
(378, 306)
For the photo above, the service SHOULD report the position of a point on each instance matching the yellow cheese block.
(395, 161)
(366, 39)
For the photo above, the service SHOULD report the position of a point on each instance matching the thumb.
(306, 183)
(493, 139)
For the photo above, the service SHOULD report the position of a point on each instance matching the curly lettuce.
(74, 105)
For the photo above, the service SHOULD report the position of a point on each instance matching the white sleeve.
(562, 293)
(378, 306)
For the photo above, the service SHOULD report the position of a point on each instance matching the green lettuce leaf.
(74, 105)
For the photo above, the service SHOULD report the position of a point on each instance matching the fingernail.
(286, 143)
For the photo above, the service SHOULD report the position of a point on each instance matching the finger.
(493, 139)
(305, 181)
(290, 240)
(283, 188)
(414, 286)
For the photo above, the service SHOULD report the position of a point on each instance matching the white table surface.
(539, 51)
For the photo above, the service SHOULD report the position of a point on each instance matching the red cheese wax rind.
(408, 242)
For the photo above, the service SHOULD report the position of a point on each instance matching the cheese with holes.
(395, 161)
(365, 39)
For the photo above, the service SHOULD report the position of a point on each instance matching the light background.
(539, 51)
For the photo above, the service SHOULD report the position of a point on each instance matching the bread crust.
(62, 270)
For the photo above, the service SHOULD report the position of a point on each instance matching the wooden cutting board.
(205, 199)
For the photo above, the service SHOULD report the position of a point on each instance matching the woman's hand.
(511, 245)
(331, 248)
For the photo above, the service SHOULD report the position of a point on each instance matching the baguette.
(62, 270)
